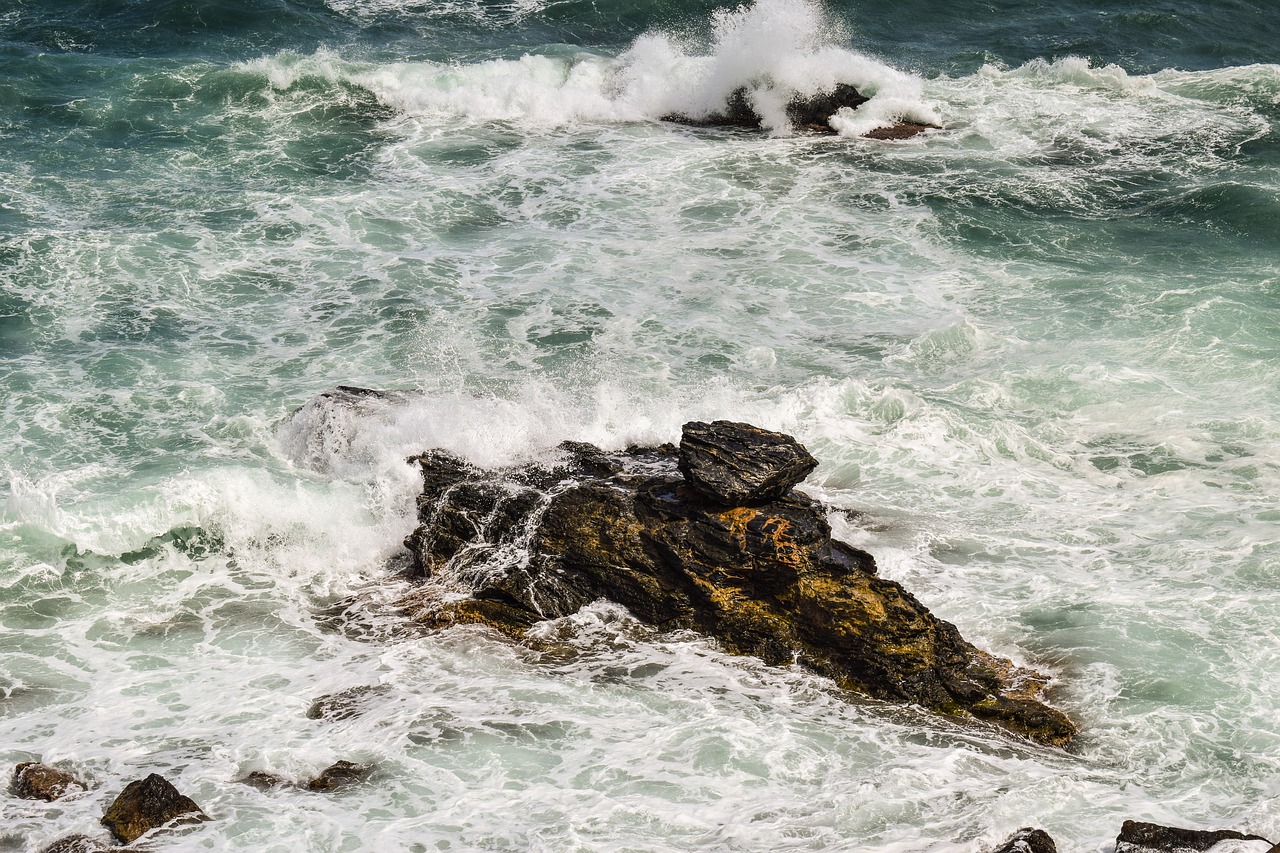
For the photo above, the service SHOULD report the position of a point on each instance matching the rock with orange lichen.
(761, 575)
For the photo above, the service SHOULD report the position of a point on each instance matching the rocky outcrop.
(147, 804)
(807, 113)
(35, 781)
(1138, 837)
(759, 573)
(1028, 840)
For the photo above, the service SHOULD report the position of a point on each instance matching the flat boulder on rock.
(35, 781)
(731, 551)
(1139, 837)
(1028, 840)
(741, 465)
(147, 804)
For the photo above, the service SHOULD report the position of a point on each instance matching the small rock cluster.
(153, 802)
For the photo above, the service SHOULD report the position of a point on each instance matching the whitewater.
(1035, 351)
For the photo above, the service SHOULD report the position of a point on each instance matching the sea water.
(1037, 351)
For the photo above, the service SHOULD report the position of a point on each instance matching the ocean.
(1036, 352)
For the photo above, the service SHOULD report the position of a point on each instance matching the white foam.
(775, 49)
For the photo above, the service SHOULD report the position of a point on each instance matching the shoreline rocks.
(752, 566)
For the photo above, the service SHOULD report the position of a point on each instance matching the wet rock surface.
(1028, 840)
(75, 844)
(767, 579)
(35, 781)
(147, 804)
(346, 704)
(810, 114)
(1139, 837)
(341, 774)
(741, 465)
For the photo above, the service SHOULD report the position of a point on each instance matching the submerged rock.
(341, 774)
(265, 780)
(75, 844)
(1139, 837)
(35, 781)
(327, 428)
(147, 804)
(1028, 840)
(345, 704)
(767, 579)
(810, 113)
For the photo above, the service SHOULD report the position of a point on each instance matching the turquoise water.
(1038, 348)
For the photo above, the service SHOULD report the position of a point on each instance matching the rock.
(35, 781)
(327, 428)
(147, 804)
(1028, 840)
(1138, 837)
(901, 130)
(535, 543)
(809, 113)
(341, 774)
(741, 465)
(75, 844)
(265, 781)
(345, 704)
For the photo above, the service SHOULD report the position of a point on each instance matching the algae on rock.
(533, 543)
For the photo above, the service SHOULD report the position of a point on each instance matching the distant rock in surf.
(324, 429)
(341, 774)
(35, 781)
(335, 777)
(146, 805)
(1139, 837)
(753, 566)
(1028, 840)
(806, 113)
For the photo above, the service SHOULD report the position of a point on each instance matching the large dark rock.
(147, 804)
(534, 543)
(1139, 837)
(1028, 840)
(741, 465)
(809, 113)
(35, 781)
